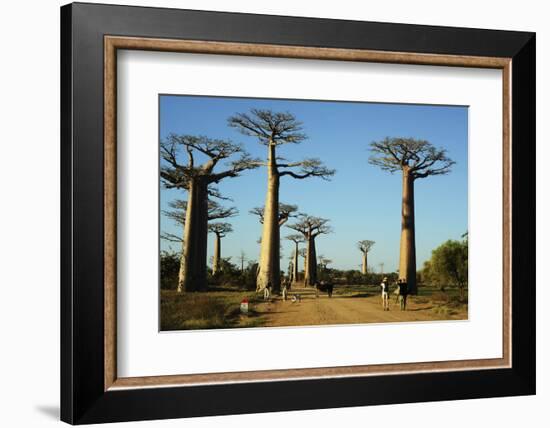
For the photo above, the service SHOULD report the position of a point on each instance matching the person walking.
(267, 291)
(385, 294)
(403, 292)
(285, 288)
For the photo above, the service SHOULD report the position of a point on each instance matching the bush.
(169, 270)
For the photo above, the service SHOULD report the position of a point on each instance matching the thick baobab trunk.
(311, 263)
(276, 251)
(364, 266)
(217, 254)
(407, 254)
(269, 269)
(182, 265)
(305, 268)
(192, 274)
(295, 264)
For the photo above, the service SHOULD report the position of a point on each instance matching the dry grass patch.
(205, 310)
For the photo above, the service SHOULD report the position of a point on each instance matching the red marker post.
(244, 306)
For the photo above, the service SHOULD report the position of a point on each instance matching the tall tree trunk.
(295, 264)
(407, 254)
(217, 254)
(182, 263)
(276, 251)
(269, 270)
(311, 263)
(192, 274)
(364, 266)
(202, 244)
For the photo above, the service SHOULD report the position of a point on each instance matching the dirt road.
(344, 308)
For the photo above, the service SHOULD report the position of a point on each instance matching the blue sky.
(362, 201)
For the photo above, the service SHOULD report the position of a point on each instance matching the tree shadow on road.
(353, 296)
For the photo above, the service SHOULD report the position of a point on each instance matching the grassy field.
(220, 308)
(208, 310)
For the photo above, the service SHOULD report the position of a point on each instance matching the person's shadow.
(50, 411)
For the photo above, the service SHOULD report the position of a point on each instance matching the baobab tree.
(220, 230)
(286, 211)
(311, 227)
(178, 215)
(242, 258)
(297, 239)
(415, 159)
(303, 254)
(365, 246)
(273, 129)
(197, 179)
(323, 264)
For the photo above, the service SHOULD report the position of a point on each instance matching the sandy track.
(342, 309)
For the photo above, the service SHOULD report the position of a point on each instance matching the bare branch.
(259, 211)
(235, 168)
(215, 211)
(171, 237)
(308, 168)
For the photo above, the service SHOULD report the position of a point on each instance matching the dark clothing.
(403, 291)
(403, 302)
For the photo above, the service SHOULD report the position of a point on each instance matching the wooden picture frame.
(91, 390)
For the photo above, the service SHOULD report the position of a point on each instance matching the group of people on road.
(401, 292)
(285, 283)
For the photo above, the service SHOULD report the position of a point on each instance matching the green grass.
(207, 310)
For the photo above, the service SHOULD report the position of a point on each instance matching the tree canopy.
(365, 245)
(274, 129)
(269, 127)
(286, 211)
(311, 226)
(220, 229)
(175, 172)
(420, 157)
(296, 238)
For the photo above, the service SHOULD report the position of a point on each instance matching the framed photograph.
(266, 213)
